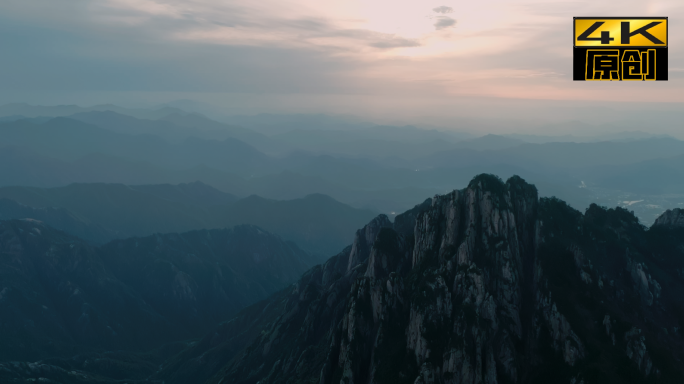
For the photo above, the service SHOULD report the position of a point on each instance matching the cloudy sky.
(416, 57)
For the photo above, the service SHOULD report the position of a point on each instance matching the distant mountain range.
(368, 166)
(178, 127)
(27, 110)
(655, 176)
(619, 136)
(59, 218)
(102, 212)
(69, 139)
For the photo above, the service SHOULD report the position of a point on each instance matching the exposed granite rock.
(492, 285)
(636, 350)
(453, 289)
(672, 218)
(648, 288)
(364, 239)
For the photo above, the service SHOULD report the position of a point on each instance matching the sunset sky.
(299, 55)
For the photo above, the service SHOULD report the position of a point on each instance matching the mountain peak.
(672, 218)
(490, 285)
(364, 240)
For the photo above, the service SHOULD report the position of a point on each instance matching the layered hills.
(383, 168)
(101, 212)
(59, 218)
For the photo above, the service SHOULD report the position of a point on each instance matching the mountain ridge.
(486, 284)
(317, 223)
(61, 295)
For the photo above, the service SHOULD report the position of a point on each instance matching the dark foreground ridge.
(485, 285)
(489, 284)
(60, 296)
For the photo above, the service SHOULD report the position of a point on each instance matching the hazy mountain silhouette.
(658, 176)
(489, 142)
(382, 168)
(177, 127)
(269, 123)
(117, 207)
(120, 123)
(196, 193)
(27, 110)
(70, 139)
(617, 136)
(23, 167)
(548, 156)
(58, 218)
(318, 223)
(204, 124)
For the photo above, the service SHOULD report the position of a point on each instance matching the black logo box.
(580, 59)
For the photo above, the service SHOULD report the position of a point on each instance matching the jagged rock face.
(492, 285)
(672, 218)
(476, 241)
(364, 240)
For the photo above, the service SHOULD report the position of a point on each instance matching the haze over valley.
(379, 168)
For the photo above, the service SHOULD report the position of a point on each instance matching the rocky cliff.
(489, 284)
(671, 218)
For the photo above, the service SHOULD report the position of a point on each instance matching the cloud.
(395, 42)
(443, 9)
(502, 48)
(444, 22)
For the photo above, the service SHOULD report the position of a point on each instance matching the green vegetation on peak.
(488, 183)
